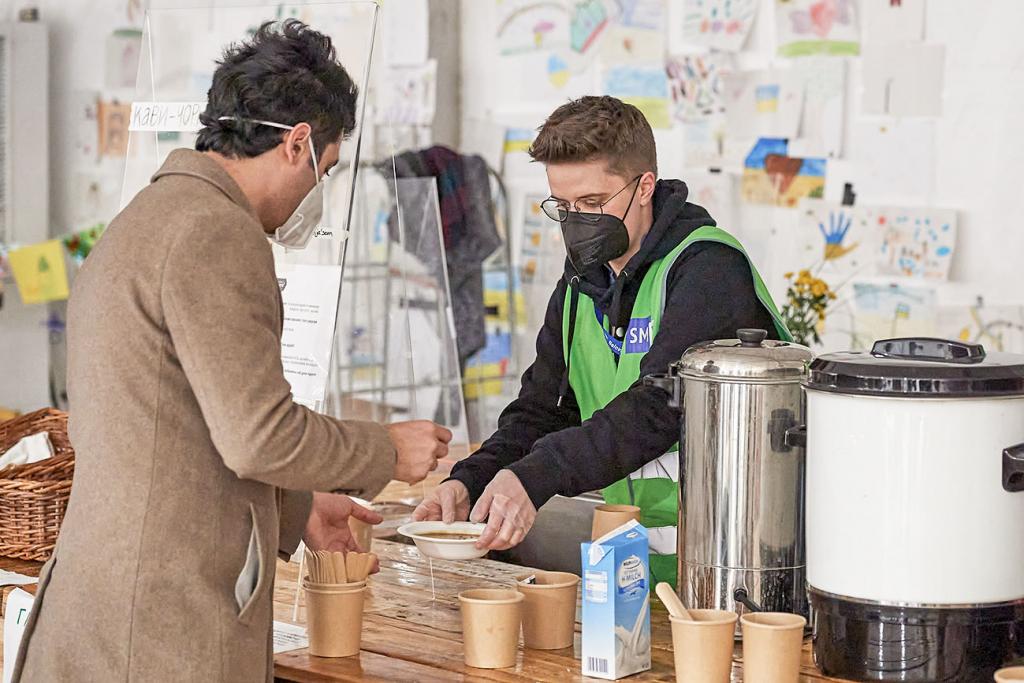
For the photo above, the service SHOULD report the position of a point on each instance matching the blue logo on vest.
(639, 335)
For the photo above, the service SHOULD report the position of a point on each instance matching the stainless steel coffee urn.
(741, 484)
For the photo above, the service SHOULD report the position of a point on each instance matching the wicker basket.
(34, 497)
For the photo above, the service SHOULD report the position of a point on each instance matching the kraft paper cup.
(356, 585)
(490, 627)
(334, 618)
(1010, 674)
(772, 647)
(549, 609)
(608, 517)
(703, 646)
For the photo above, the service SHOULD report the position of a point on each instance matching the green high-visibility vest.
(596, 379)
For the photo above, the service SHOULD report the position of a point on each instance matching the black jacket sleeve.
(710, 295)
(533, 414)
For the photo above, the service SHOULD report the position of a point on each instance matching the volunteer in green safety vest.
(648, 274)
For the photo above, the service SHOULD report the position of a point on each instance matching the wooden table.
(409, 635)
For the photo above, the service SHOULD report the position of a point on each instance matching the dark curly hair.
(598, 127)
(286, 73)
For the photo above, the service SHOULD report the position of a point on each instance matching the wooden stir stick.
(672, 602)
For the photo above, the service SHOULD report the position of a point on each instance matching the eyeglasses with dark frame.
(558, 209)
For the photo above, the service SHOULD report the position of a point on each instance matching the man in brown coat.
(192, 456)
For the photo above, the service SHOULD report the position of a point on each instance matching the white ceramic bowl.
(444, 548)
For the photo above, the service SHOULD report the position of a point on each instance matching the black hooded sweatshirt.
(710, 295)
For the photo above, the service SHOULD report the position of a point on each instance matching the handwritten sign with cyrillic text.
(166, 116)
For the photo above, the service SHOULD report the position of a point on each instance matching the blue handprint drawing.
(838, 226)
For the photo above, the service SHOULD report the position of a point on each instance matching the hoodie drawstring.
(616, 311)
(574, 299)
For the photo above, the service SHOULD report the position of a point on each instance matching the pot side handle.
(670, 383)
(929, 349)
(1013, 468)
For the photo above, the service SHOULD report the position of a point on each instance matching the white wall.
(78, 31)
(979, 139)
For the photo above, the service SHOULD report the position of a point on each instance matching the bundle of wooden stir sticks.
(327, 567)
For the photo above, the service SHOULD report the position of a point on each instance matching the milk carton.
(616, 604)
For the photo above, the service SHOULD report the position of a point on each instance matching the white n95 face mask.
(295, 232)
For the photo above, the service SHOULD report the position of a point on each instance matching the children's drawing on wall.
(915, 242)
(887, 309)
(646, 14)
(113, 118)
(763, 103)
(997, 328)
(834, 240)
(541, 263)
(39, 272)
(408, 95)
(636, 32)
(515, 158)
(645, 87)
(821, 124)
(541, 255)
(755, 187)
(536, 229)
(697, 85)
(557, 70)
(770, 176)
(813, 27)
(530, 26)
(704, 142)
(717, 24)
(587, 22)
(487, 369)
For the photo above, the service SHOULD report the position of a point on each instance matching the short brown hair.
(598, 128)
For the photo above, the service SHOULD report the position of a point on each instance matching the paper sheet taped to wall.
(39, 272)
(166, 116)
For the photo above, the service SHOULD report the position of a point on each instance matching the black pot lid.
(925, 367)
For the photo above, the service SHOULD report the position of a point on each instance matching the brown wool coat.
(190, 449)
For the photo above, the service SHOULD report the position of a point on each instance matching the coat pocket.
(252, 580)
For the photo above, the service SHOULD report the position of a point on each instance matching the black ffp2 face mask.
(595, 238)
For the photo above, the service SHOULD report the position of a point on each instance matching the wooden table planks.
(408, 636)
(403, 626)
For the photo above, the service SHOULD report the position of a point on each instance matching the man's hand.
(327, 527)
(419, 444)
(449, 503)
(508, 510)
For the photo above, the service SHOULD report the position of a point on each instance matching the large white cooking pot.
(915, 474)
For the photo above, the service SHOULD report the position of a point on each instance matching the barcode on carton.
(596, 665)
